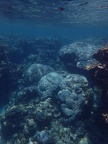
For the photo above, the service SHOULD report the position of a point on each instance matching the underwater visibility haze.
(54, 72)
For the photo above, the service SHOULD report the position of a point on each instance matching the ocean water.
(63, 31)
(51, 91)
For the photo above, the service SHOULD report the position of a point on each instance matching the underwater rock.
(34, 73)
(18, 120)
(77, 54)
(84, 140)
(11, 121)
(42, 137)
(74, 133)
(24, 119)
(26, 94)
(48, 85)
(29, 127)
(35, 111)
(44, 113)
(75, 97)
(99, 73)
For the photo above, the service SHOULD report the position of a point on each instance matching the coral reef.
(48, 85)
(27, 119)
(10, 73)
(75, 97)
(42, 137)
(77, 55)
(34, 73)
(99, 72)
(47, 105)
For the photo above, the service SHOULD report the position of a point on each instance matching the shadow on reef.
(10, 73)
(99, 72)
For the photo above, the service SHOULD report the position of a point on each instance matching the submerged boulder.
(77, 54)
(34, 73)
(42, 137)
(75, 97)
(48, 85)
